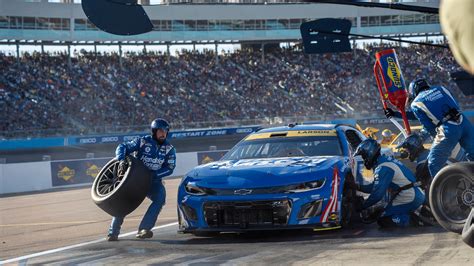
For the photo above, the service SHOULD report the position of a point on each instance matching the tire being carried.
(452, 195)
(118, 194)
(468, 231)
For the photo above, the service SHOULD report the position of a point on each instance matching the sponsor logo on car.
(242, 191)
(292, 133)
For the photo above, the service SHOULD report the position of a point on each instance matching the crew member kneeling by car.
(390, 178)
(159, 156)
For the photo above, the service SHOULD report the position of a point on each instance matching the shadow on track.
(358, 231)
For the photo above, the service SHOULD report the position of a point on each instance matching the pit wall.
(47, 175)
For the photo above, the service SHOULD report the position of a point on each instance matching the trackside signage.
(173, 135)
(72, 172)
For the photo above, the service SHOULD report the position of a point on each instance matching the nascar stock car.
(276, 178)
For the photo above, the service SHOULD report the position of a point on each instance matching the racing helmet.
(413, 144)
(159, 123)
(417, 86)
(369, 149)
(386, 133)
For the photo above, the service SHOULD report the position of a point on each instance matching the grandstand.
(80, 92)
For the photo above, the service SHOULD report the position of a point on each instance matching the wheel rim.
(456, 198)
(109, 180)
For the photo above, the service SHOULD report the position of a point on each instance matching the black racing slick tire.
(468, 231)
(348, 204)
(118, 194)
(452, 195)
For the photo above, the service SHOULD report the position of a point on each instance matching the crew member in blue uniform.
(440, 115)
(394, 187)
(159, 156)
(412, 148)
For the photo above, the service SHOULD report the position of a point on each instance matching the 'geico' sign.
(88, 140)
(110, 139)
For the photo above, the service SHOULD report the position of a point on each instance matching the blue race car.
(276, 178)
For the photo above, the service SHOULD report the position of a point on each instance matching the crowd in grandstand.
(43, 92)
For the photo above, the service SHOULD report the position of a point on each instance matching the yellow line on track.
(326, 229)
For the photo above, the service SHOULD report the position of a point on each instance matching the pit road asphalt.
(42, 227)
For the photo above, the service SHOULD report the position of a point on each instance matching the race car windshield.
(285, 147)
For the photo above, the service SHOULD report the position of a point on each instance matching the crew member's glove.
(403, 153)
(122, 167)
(371, 214)
(389, 113)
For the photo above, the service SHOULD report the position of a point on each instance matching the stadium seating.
(42, 96)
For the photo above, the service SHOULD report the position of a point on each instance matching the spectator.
(43, 96)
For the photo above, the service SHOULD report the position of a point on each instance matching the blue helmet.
(159, 123)
(413, 144)
(369, 149)
(417, 86)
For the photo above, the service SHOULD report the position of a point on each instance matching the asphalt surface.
(41, 228)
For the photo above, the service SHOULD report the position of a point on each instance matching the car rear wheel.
(452, 195)
(119, 194)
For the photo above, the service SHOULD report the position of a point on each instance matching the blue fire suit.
(389, 176)
(161, 160)
(422, 171)
(431, 107)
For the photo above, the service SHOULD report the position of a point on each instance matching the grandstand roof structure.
(41, 21)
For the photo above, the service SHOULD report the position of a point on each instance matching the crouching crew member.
(393, 185)
(159, 156)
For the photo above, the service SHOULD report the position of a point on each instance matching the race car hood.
(254, 173)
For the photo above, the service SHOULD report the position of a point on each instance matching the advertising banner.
(75, 172)
(173, 135)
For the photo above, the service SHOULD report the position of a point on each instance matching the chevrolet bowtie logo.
(242, 191)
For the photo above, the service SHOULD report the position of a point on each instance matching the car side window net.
(353, 139)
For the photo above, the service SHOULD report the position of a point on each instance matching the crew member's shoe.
(111, 238)
(142, 234)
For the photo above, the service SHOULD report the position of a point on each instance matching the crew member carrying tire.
(390, 178)
(159, 156)
(440, 115)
